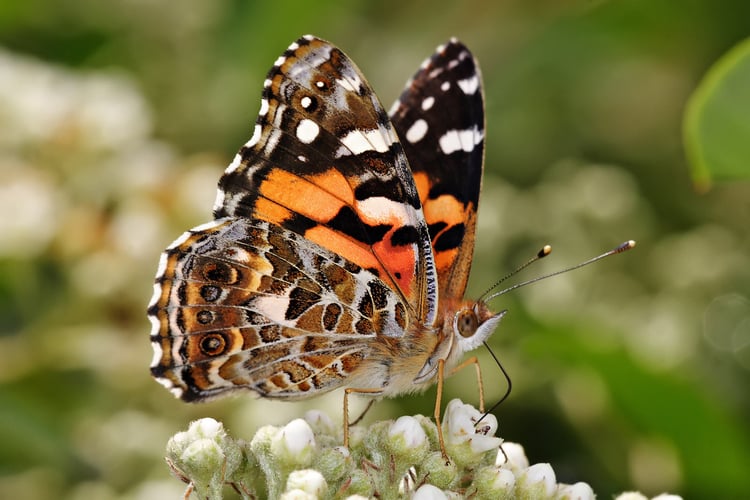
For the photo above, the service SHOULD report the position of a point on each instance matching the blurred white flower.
(98, 110)
(631, 495)
(31, 208)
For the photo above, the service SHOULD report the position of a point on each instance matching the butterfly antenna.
(545, 251)
(542, 253)
(618, 249)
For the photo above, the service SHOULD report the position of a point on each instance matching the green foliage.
(716, 121)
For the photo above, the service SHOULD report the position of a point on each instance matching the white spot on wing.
(305, 102)
(359, 141)
(155, 325)
(275, 135)
(160, 269)
(352, 84)
(435, 73)
(279, 61)
(177, 391)
(255, 138)
(236, 162)
(394, 107)
(460, 140)
(417, 131)
(180, 240)
(219, 201)
(307, 131)
(379, 209)
(445, 86)
(158, 352)
(263, 107)
(469, 85)
(427, 103)
(208, 225)
(273, 307)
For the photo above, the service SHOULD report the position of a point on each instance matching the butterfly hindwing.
(440, 119)
(324, 162)
(247, 304)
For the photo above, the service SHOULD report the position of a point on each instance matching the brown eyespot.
(220, 272)
(466, 322)
(213, 344)
(204, 317)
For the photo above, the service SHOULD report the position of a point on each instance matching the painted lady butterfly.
(339, 255)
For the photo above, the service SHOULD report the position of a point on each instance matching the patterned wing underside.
(325, 163)
(440, 119)
(244, 304)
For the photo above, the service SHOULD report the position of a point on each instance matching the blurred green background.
(117, 118)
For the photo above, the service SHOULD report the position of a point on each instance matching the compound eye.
(466, 323)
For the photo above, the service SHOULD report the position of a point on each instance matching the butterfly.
(341, 243)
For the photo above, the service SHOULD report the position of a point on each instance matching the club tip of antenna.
(625, 246)
(546, 250)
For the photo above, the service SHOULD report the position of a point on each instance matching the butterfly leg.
(438, 403)
(439, 397)
(362, 415)
(348, 391)
(473, 361)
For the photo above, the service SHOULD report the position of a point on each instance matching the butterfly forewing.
(325, 163)
(440, 120)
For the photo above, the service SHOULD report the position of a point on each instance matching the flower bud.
(205, 455)
(407, 440)
(494, 482)
(309, 481)
(577, 491)
(441, 473)
(538, 481)
(429, 492)
(294, 444)
(512, 456)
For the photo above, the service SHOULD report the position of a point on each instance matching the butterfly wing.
(440, 118)
(247, 304)
(324, 162)
(319, 245)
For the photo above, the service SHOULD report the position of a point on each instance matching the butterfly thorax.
(410, 363)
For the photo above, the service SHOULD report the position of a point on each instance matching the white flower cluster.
(391, 459)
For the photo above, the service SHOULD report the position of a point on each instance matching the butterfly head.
(472, 325)
(465, 328)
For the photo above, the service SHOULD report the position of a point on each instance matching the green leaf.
(717, 120)
(711, 439)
